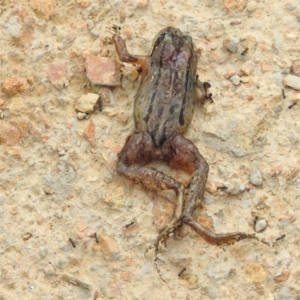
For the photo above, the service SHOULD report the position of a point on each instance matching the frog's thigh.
(137, 149)
(181, 153)
(137, 152)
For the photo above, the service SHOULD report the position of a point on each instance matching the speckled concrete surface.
(58, 184)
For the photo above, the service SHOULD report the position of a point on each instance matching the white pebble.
(235, 187)
(251, 6)
(61, 152)
(235, 79)
(49, 270)
(256, 177)
(81, 116)
(213, 46)
(13, 26)
(260, 225)
(292, 81)
(232, 44)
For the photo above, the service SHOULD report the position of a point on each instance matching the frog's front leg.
(125, 56)
(204, 88)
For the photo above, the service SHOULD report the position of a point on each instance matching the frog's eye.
(162, 36)
(159, 40)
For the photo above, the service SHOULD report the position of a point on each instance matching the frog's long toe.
(218, 239)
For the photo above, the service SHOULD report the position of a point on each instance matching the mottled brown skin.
(163, 111)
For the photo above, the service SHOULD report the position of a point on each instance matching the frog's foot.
(170, 229)
(220, 239)
(162, 239)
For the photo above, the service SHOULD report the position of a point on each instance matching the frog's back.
(165, 100)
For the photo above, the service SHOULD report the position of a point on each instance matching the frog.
(163, 109)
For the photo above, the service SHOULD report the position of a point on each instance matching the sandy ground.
(57, 173)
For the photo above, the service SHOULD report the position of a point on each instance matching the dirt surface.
(71, 228)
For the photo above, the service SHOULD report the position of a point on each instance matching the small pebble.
(235, 187)
(43, 252)
(292, 81)
(213, 45)
(244, 79)
(27, 236)
(15, 85)
(260, 225)
(212, 292)
(294, 96)
(133, 75)
(128, 32)
(235, 79)
(49, 270)
(234, 5)
(189, 280)
(247, 67)
(87, 103)
(48, 191)
(13, 26)
(229, 74)
(231, 44)
(57, 74)
(295, 68)
(256, 177)
(255, 272)
(81, 116)
(14, 210)
(251, 6)
(61, 152)
(102, 70)
(284, 276)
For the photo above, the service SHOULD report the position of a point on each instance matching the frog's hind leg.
(186, 156)
(138, 151)
(180, 153)
(207, 235)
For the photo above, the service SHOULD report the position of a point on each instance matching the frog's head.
(171, 44)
